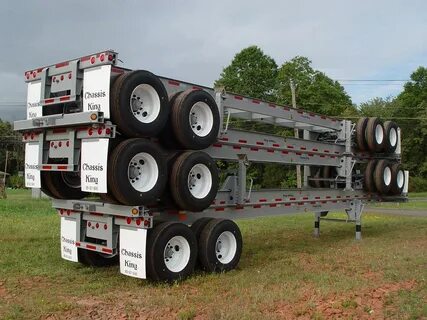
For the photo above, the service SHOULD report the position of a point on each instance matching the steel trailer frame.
(234, 200)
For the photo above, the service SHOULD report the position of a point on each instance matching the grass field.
(284, 273)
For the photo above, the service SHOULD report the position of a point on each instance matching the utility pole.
(296, 133)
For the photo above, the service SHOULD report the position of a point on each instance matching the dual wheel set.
(374, 136)
(384, 177)
(155, 157)
(175, 250)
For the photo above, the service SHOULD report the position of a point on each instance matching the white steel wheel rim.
(392, 138)
(400, 179)
(226, 247)
(177, 254)
(145, 103)
(387, 176)
(200, 181)
(143, 172)
(379, 133)
(201, 119)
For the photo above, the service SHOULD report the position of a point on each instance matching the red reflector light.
(34, 74)
(138, 222)
(100, 131)
(105, 227)
(69, 75)
(102, 57)
(92, 60)
(28, 76)
(146, 223)
(129, 220)
(25, 136)
(97, 225)
(60, 144)
(67, 143)
(90, 131)
(89, 224)
(68, 212)
(108, 131)
(52, 143)
(62, 77)
(110, 57)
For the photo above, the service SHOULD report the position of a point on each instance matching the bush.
(16, 182)
(417, 184)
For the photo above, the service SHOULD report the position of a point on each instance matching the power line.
(374, 80)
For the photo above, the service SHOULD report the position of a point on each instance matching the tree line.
(254, 73)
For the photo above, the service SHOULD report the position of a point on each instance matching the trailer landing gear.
(354, 214)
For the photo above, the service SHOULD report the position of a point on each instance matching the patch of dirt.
(366, 304)
(3, 291)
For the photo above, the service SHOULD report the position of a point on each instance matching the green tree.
(251, 73)
(315, 91)
(378, 107)
(10, 141)
(411, 105)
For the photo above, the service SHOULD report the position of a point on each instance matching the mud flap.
(34, 107)
(133, 251)
(68, 239)
(32, 168)
(94, 165)
(96, 90)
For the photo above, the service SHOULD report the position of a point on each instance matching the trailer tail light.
(108, 131)
(92, 60)
(70, 75)
(110, 57)
(102, 57)
(105, 226)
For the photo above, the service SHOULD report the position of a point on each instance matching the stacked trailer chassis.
(234, 200)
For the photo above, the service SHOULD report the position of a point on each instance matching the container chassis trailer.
(148, 145)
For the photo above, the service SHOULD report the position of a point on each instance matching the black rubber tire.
(157, 241)
(373, 144)
(360, 134)
(369, 184)
(327, 172)
(180, 120)
(397, 173)
(390, 136)
(95, 259)
(117, 173)
(380, 184)
(43, 187)
(56, 183)
(167, 136)
(315, 173)
(198, 226)
(179, 181)
(207, 245)
(121, 111)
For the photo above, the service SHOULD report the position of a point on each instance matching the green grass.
(284, 272)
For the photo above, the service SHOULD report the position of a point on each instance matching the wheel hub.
(176, 254)
(226, 247)
(145, 103)
(143, 172)
(199, 181)
(201, 119)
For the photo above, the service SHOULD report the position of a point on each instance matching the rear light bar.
(105, 57)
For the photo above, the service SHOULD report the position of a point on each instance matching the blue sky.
(193, 40)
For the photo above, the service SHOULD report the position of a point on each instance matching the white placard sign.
(93, 167)
(34, 108)
(68, 239)
(32, 168)
(96, 89)
(132, 251)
